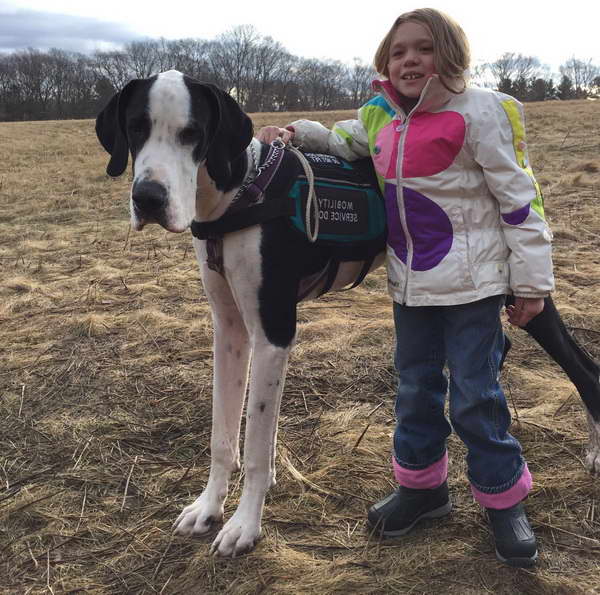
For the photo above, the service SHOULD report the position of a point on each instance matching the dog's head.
(172, 125)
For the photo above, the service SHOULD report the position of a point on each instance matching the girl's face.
(411, 63)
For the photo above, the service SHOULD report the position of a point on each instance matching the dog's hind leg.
(230, 376)
(548, 329)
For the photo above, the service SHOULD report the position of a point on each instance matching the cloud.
(20, 29)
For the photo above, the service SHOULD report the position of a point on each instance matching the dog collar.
(254, 190)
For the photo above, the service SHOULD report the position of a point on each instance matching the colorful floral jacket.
(464, 212)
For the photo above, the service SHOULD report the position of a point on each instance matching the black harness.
(248, 208)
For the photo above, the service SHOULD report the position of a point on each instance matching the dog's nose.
(149, 197)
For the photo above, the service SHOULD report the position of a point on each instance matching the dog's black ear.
(231, 132)
(110, 130)
(235, 129)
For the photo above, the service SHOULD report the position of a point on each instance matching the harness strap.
(332, 271)
(235, 221)
(364, 271)
(238, 216)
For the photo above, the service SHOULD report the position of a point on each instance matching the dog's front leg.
(240, 533)
(230, 377)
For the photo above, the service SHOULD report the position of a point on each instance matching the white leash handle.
(311, 201)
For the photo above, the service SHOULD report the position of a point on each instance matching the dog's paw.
(199, 517)
(592, 459)
(237, 537)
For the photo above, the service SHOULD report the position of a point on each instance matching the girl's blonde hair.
(451, 52)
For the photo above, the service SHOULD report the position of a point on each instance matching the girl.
(465, 227)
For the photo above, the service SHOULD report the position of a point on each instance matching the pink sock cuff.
(509, 497)
(422, 479)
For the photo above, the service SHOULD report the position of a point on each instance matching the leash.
(265, 173)
(251, 192)
(311, 201)
(256, 186)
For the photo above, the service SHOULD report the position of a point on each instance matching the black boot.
(515, 541)
(399, 512)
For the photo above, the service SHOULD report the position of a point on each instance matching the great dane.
(192, 149)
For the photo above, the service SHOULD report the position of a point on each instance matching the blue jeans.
(469, 338)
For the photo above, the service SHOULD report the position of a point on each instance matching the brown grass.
(105, 400)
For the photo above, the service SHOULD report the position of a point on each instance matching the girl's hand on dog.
(268, 134)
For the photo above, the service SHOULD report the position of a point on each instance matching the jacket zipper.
(403, 126)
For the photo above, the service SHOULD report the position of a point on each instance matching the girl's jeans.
(469, 338)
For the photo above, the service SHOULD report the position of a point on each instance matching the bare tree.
(321, 84)
(480, 75)
(143, 58)
(10, 92)
(189, 56)
(60, 70)
(582, 74)
(114, 67)
(286, 89)
(360, 77)
(335, 85)
(512, 67)
(230, 58)
(31, 75)
(268, 63)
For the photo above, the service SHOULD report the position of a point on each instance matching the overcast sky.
(308, 28)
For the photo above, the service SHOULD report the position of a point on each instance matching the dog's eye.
(138, 127)
(189, 135)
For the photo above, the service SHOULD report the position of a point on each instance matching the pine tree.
(565, 89)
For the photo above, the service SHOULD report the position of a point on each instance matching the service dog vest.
(351, 208)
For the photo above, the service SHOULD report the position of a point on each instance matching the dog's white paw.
(592, 459)
(200, 516)
(238, 536)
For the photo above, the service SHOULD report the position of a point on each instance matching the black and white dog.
(192, 148)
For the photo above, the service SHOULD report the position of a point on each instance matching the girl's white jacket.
(465, 215)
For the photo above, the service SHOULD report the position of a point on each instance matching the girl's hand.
(524, 309)
(268, 134)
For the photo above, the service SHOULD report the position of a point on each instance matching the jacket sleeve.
(498, 142)
(347, 139)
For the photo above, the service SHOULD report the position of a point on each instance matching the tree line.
(525, 78)
(258, 71)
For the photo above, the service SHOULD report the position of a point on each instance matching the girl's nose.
(411, 58)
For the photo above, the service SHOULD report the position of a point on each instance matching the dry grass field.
(105, 387)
